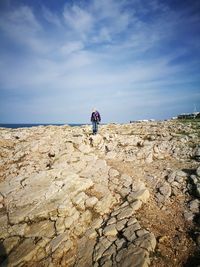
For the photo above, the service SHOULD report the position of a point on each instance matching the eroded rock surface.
(62, 204)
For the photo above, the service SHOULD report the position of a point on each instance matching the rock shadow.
(3, 256)
(194, 260)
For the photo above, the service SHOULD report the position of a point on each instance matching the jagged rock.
(136, 205)
(111, 221)
(133, 257)
(120, 243)
(125, 213)
(113, 172)
(102, 246)
(91, 202)
(197, 153)
(25, 252)
(54, 244)
(3, 226)
(194, 205)
(105, 204)
(85, 251)
(129, 233)
(148, 242)
(165, 190)
(110, 230)
(54, 190)
(79, 200)
(10, 243)
(188, 215)
(142, 195)
(198, 170)
(121, 224)
(39, 229)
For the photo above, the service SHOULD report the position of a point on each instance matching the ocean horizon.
(29, 125)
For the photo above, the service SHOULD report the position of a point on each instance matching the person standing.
(95, 119)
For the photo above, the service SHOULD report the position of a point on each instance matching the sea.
(25, 125)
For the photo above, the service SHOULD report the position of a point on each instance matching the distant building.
(193, 115)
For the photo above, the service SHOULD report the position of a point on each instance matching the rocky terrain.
(128, 196)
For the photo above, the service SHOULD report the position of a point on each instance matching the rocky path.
(68, 198)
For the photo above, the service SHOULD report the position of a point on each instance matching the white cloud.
(71, 47)
(51, 17)
(78, 19)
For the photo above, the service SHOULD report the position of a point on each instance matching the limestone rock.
(142, 195)
(91, 202)
(165, 190)
(110, 230)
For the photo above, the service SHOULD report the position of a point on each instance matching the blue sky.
(130, 59)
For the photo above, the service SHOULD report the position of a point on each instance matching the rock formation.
(63, 201)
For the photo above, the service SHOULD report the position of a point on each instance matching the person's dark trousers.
(94, 127)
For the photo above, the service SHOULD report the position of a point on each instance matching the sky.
(129, 59)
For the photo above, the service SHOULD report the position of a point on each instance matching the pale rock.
(111, 155)
(126, 180)
(124, 192)
(10, 243)
(111, 251)
(125, 213)
(96, 140)
(147, 242)
(60, 225)
(142, 195)
(120, 243)
(112, 238)
(165, 190)
(86, 217)
(79, 200)
(149, 158)
(78, 166)
(133, 257)
(56, 241)
(25, 252)
(198, 170)
(194, 206)
(171, 177)
(132, 220)
(75, 216)
(104, 205)
(79, 229)
(91, 233)
(188, 215)
(136, 204)
(84, 252)
(115, 181)
(110, 230)
(141, 232)
(129, 232)
(41, 254)
(102, 246)
(18, 229)
(111, 221)
(97, 223)
(68, 222)
(113, 172)
(121, 224)
(84, 148)
(63, 209)
(91, 202)
(181, 173)
(64, 247)
(3, 226)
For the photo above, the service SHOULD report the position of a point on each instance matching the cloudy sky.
(130, 59)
